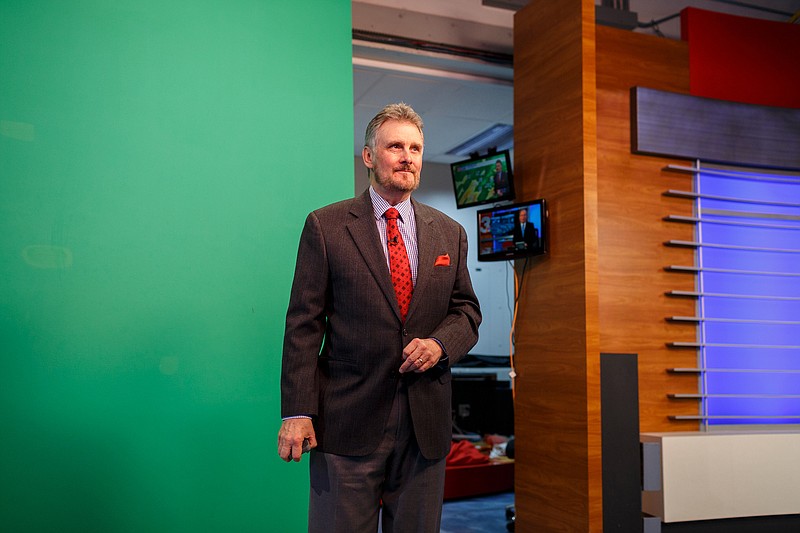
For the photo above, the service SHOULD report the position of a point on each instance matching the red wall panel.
(742, 59)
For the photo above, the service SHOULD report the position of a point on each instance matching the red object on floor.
(471, 473)
(476, 480)
(465, 453)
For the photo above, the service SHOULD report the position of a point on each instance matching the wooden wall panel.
(631, 229)
(601, 287)
(558, 469)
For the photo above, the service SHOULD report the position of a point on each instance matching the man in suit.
(525, 232)
(365, 383)
(500, 179)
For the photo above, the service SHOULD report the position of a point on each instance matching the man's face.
(396, 161)
(498, 167)
(523, 216)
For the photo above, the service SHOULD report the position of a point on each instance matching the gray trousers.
(395, 482)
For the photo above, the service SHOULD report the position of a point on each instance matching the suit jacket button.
(405, 332)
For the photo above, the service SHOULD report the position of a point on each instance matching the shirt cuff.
(444, 352)
(444, 360)
(296, 416)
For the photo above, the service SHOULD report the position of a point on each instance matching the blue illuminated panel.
(750, 229)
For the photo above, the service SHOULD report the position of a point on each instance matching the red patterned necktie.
(398, 262)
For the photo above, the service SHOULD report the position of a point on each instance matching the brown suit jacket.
(344, 337)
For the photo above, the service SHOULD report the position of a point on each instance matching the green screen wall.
(157, 160)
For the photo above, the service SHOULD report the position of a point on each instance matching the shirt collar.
(379, 206)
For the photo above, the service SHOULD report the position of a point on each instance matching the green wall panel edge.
(157, 161)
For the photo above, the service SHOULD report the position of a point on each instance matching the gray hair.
(399, 111)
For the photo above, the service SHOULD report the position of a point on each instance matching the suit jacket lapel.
(365, 234)
(426, 252)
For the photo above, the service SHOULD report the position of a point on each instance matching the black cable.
(427, 46)
(521, 280)
(510, 304)
(655, 23)
(757, 8)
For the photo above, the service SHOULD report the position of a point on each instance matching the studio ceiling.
(460, 95)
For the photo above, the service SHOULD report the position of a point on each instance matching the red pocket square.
(442, 261)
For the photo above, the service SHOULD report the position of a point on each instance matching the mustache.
(404, 168)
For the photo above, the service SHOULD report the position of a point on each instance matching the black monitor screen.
(512, 231)
(483, 180)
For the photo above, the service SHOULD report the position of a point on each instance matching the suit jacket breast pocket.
(442, 271)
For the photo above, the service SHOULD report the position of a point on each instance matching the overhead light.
(498, 136)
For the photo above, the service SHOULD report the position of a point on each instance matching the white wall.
(493, 282)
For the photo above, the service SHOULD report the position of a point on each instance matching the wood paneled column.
(558, 469)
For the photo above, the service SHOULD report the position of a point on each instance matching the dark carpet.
(485, 514)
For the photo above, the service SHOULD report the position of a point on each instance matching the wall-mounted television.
(512, 231)
(483, 180)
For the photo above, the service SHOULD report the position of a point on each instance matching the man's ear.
(366, 155)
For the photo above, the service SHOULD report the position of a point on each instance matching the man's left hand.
(420, 355)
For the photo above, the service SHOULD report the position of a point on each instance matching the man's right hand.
(296, 437)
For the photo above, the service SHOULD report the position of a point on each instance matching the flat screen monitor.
(512, 231)
(483, 180)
